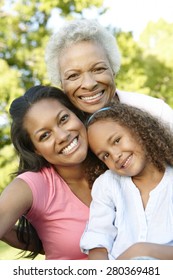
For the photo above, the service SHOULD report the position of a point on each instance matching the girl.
(132, 209)
(52, 189)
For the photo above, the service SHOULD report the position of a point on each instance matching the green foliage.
(157, 40)
(68, 6)
(8, 165)
(9, 253)
(143, 70)
(131, 76)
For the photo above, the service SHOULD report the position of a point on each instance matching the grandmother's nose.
(88, 81)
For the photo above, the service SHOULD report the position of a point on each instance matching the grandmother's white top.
(118, 219)
(155, 106)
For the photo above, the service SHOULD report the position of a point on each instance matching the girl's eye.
(117, 140)
(64, 118)
(44, 136)
(105, 156)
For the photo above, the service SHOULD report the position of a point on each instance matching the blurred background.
(144, 32)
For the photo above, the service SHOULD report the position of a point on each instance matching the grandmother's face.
(86, 76)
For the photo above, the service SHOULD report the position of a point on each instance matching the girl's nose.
(116, 156)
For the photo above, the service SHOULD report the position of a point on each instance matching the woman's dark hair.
(155, 138)
(28, 159)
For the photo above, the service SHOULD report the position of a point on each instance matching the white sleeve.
(167, 115)
(100, 230)
(155, 106)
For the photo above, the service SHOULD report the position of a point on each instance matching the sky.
(129, 15)
(133, 15)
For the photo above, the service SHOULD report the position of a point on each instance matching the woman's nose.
(62, 135)
(88, 81)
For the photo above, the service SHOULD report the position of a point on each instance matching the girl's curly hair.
(155, 137)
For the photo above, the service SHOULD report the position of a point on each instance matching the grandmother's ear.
(61, 86)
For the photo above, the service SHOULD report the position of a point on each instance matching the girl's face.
(117, 148)
(57, 134)
(86, 76)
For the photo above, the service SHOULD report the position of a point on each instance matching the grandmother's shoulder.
(131, 98)
(152, 105)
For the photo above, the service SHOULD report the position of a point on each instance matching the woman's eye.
(44, 136)
(64, 118)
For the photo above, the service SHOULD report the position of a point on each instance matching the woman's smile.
(71, 147)
(58, 136)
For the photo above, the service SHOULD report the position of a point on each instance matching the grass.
(10, 253)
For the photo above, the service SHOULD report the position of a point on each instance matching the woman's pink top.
(58, 216)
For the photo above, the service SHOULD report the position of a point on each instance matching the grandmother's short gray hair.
(76, 31)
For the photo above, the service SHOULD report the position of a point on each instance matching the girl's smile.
(116, 147)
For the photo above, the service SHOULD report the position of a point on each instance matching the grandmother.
(83, 59)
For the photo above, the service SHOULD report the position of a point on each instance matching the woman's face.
(86, 76)
(57, 134)
(117, 148)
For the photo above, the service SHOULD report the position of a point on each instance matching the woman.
(83, 58)
(52, 188)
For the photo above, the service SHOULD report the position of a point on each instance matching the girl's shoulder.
(109, 180)
(169, 174)
(109, 175)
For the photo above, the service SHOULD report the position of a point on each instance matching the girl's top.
(118, 219)
(58, 216)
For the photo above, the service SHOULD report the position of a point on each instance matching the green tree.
(131, 76)
(144, 69)
(156, 42)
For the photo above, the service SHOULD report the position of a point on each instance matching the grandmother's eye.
(73, 76)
